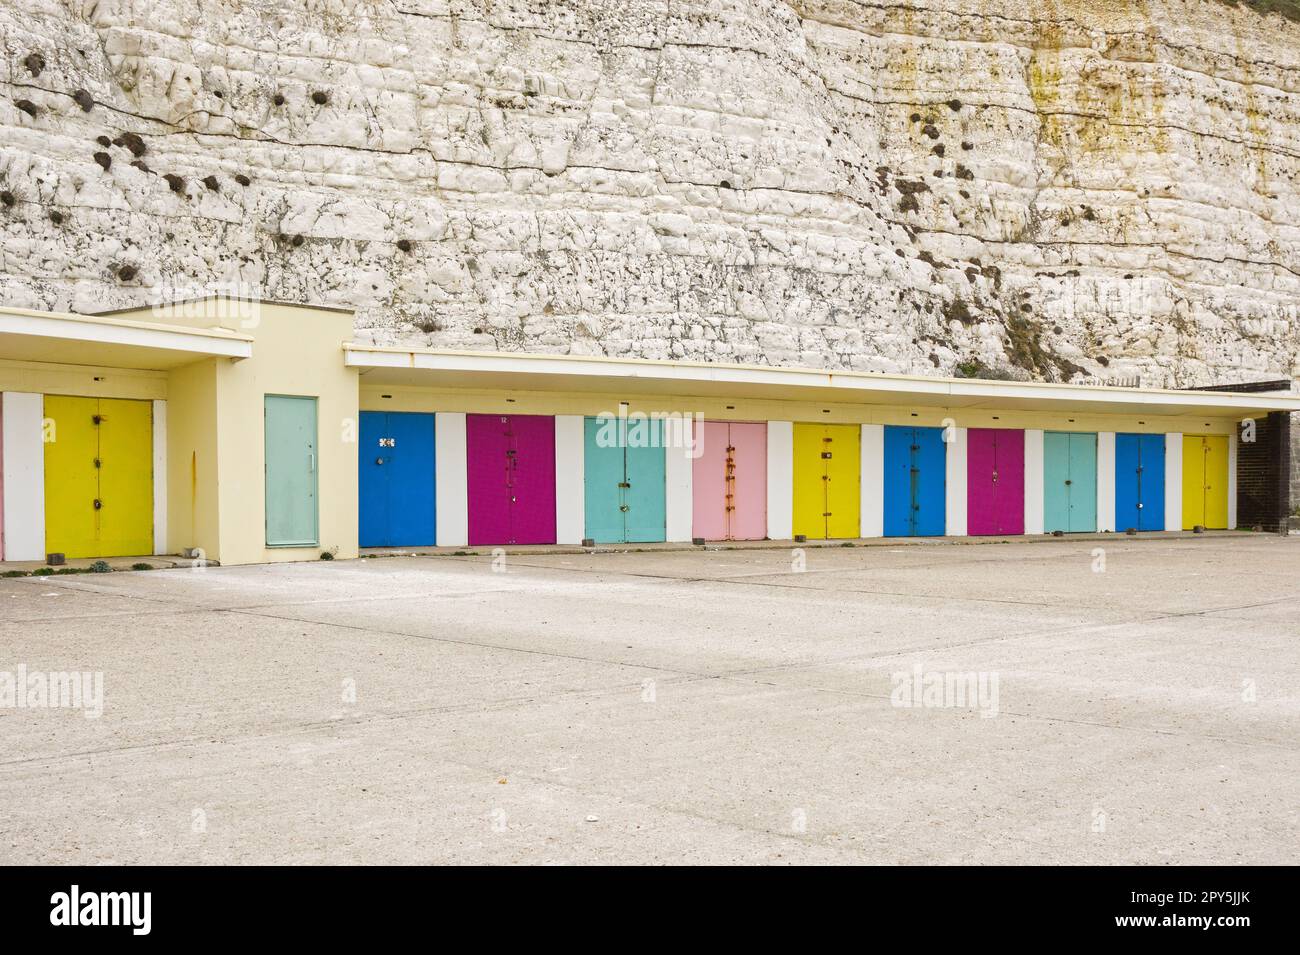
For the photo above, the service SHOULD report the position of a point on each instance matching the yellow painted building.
(142, 432)
(245, 432)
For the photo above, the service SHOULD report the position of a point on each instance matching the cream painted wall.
(296, 351)
(160, 477)
(406, 398)
(81, 380)
(193, 516)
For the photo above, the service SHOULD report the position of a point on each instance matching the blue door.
(397, 485)
(1140, 482)
(915, 482)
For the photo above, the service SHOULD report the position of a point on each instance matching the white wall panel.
(452, 485)
(678, 475)
(780, 480)
(955, 484)
(1105, 480)
(24, 479)
(1174, 481)
(873, 480)
(570, 467)
(1033, 481)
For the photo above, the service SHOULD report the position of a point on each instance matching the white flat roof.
(388, 365)
(70, 339)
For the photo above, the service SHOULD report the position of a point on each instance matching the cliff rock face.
(1057, 189)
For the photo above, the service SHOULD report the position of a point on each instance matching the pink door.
(511, 478)
(709, 481)
(995, 481)
(730, 481)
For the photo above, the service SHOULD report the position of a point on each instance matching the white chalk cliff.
(1052, 189)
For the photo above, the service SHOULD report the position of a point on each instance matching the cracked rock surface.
(1048, 190)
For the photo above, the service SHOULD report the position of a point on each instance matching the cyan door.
(397, 479)
(290, 429)
(915, 482)
(1069, 481)
(624, 489)
(1140, 482)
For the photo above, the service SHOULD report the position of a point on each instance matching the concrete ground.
(695, 707)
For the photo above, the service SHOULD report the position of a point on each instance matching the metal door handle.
(379, 460)
(311, 461)
(98, 504)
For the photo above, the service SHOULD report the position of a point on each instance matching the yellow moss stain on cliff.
(1257, 124)
(1044, 80)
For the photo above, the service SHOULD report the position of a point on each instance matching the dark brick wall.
(1264, 475)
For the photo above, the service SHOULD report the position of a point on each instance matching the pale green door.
(291, 519)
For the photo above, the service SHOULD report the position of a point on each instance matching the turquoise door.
(1069, 481)
(624, 487)
(290, 429)
(647, 512)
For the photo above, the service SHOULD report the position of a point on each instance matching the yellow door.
(71, 484)
(1216, 481)
(98, 477)
(1205, 481)
(827, 464)
(125, 477)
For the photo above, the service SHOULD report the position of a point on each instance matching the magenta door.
(511, 477)
(995, 481)
(729, 482)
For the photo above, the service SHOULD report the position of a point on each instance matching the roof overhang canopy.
(110, 342)
(568, 373)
